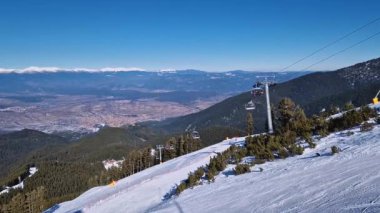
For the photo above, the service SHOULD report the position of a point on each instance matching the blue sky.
(211, 35)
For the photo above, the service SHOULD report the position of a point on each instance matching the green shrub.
(210, 176)
(320, 126)
(191, 180)
(180, 188)
(348, 106)
(351, 118)
(241, 169)
(334, 150)
(311, 144)
(367, 113)
(283, 153)
(365, 127)
(295, 149)
(259, 161)
(199, 173)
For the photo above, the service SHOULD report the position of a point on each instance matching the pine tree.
(286, 110)
(241, 169)
(171, 149)
(17, 203)
(301, 124)
(249, 123)
(34, 200)
(199, 173)
(180, 188)
(348, 106)
(191, 180)
(320, 125)
(180, 149)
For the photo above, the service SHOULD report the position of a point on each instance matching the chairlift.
(169, 147)
(250, 106)
(272, 84)
(259, 84)
(257, 91)
(195, 135)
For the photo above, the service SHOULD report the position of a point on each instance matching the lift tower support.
(267, 83)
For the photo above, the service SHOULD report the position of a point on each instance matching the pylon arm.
(377, 94)
(375, 100)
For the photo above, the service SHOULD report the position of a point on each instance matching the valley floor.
(346, 182)
(63, 113)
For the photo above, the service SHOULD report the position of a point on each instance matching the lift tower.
(160, 147)
(268, 81)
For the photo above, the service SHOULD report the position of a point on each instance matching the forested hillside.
(16, 147)
(313, 92)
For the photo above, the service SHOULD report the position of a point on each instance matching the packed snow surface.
(345, 182)
(143, 190)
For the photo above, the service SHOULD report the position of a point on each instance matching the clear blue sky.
(213, 35)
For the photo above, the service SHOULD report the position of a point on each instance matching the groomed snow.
(143, 190)
(346, 182)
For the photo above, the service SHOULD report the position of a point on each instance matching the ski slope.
(143, 190)
(346, 182)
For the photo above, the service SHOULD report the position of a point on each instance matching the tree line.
(292, 127)
(58, 181)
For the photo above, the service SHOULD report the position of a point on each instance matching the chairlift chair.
(195, 135)
(258, 84)
(169, 147)
(257, 91)
(250, 106)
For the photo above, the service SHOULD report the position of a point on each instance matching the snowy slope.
(345, 182)
(143, 190)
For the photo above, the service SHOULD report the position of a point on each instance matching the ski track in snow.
(143, 190)
(346, 182)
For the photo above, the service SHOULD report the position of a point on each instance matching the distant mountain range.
(315, 91)
(166, 86)
(79, 101)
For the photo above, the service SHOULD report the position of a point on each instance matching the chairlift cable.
(343, 50)
(332, 43)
